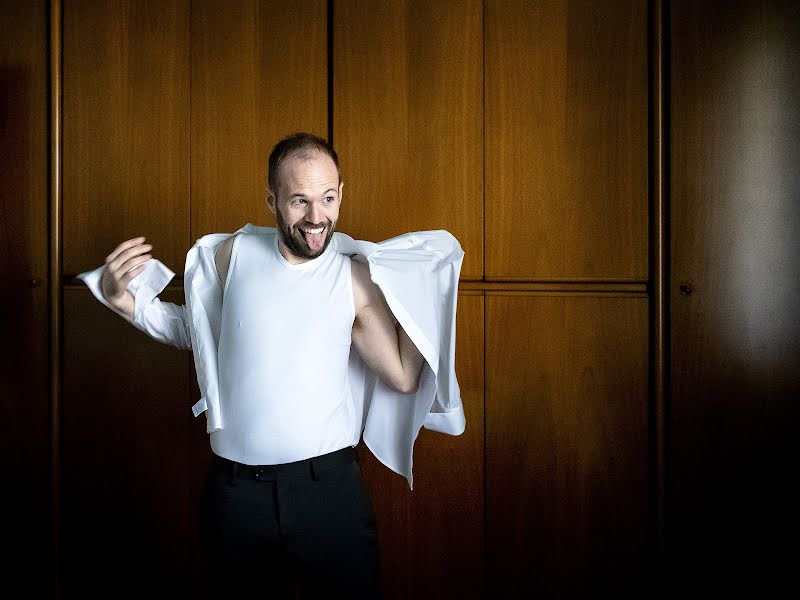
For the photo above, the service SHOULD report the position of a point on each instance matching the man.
(286, 493)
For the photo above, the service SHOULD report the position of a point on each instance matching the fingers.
(124, 246)
(129, 257)
(126, 279)
(133, 262)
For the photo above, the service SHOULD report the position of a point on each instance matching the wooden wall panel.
(259, 72)
(566, 446)
(566, 140)
(170, 112)
(127, 506)
(407, 115)
(24, 353)
(126, 129)
(735, 298)
(431, 538)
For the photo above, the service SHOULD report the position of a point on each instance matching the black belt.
(309, 468)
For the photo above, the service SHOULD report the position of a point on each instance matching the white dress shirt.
(418, 275)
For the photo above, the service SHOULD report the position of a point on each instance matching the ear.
(341, 187)
(271, 201)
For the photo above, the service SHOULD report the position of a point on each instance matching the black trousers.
(307, 525)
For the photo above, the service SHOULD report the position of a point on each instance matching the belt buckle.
(258, 472)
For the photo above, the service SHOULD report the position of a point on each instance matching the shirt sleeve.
(163, 321)
(418, 275)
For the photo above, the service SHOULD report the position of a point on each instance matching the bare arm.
(124, 263)
(382, 344)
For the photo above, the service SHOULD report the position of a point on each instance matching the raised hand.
(124, 263)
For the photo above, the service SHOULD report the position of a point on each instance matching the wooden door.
(735, 297)
(566, 140)
(25, 508)
(407, 109)
(126, 129)
(170, 112)
(566, 210)
(407, 119)
(259, 72)
(440, 521)
(566, 445)
(126, 457)
(520, 127)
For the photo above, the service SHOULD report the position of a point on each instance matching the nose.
(314, 213)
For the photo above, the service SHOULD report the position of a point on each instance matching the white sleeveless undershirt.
(283, 355)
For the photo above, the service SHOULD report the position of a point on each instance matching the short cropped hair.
(302, 144)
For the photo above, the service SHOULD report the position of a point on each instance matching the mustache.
(313, 225)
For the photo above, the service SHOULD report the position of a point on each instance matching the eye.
(329, 199)
(298, 201)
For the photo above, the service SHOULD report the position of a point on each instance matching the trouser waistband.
(309, 468)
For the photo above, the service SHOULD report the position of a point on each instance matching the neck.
(292, 259)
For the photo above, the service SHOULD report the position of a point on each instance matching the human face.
(306, 205)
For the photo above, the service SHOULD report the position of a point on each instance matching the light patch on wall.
(762, 267)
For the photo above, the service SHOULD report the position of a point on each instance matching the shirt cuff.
(145, 287)
(451, 423)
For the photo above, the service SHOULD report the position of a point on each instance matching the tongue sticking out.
(315, 240)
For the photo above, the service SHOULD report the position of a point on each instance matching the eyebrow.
(301, 194)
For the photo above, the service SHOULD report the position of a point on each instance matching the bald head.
(303, 146)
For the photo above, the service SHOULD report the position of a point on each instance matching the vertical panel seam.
(55, 287)
(191, 123)
(483, 139)
(329, 25)
(658, 127)
(485, 575)
(188, 359)
(484, 561)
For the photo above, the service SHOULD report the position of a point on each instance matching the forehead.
(308, 173)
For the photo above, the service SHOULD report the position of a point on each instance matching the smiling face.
(306, 205)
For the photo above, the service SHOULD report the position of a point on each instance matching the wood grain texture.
(566, 140)
(431, 538)
(126, 129)
(658, 285)
(24, 318)
(259, 72)
(735, 333)
(566, 446)
(407, 117)
(126, 457)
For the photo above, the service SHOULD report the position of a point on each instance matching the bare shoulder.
(364, 289)
(360, 272)
(222, 257)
